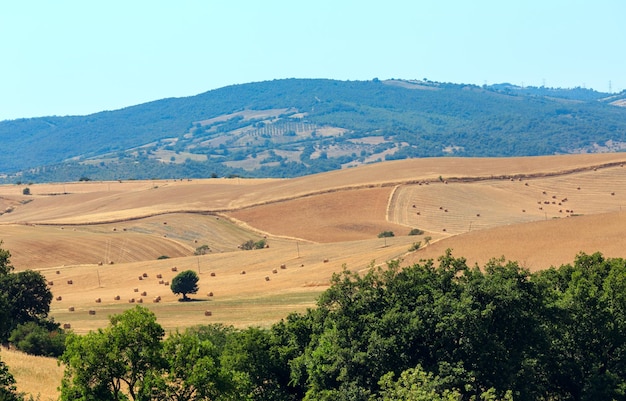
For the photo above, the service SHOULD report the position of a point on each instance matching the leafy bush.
(35, 339)
(415, 246)
(250, 244)
(416, 231)
(386, 234)
(202, 250)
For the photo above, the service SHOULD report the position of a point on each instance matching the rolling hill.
(296, 127)
(105, 246)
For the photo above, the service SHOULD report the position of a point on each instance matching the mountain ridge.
(293, 127)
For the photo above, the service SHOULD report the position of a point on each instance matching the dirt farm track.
(106, 246)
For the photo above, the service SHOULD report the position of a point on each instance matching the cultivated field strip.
(459, 207)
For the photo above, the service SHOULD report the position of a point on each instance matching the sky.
(77, 57)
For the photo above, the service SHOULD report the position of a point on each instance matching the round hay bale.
(140, 277)
(174, 269)
(71, 309)
(117, 298)
(212, 274)
(243, 272)
(145, 275)
(144, 293)
(207, 313)
(274, 271)
(70, 282)
(156, 300)
(210, 294)
(98, 300)
(267, 278)
(132, 300)
(92, 312)
(159, 275)
(140, 301)
(166, 283)
(58, 271)
(160, 281)
(50, 282)
(67, 326)
(59, 298)
(135, 289)
(283, 266)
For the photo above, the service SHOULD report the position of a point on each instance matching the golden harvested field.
(99, 243)
(35, 375)
(103, 236)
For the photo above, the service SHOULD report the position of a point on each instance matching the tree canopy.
(185, 282)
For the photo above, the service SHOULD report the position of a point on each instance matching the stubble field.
(104, 236)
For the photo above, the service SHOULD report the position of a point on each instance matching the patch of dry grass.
(35, 375)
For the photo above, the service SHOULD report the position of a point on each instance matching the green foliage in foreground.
(431, 331)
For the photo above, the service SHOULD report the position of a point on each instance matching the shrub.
(202, 250)
(250, 244)
(416, 231)
(163, 257)
(26, 191)
(415, 246)
(36, 339)
(385, 234)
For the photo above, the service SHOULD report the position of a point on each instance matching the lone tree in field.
(185, 283)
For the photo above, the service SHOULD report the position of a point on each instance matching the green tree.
(37, 339)
(193, 372)
(185, 282)
(125, 356)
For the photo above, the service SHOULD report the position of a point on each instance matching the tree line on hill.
(438, 119)
(431, 331)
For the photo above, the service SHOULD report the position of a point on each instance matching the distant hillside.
(293, 127)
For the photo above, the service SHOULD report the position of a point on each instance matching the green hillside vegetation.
(293, 127)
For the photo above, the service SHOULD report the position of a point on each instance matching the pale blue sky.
(67, 57)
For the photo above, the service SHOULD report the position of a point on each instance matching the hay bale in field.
(283, 266)
(117, 297)
(145, 275)
(210, 294)
(58, 271)
(92, 312)
(144, 293)
(166, 283)
(140, 277)
(212, 274)
(59, 298)
(100, 263)
(325, 260)
(274, 271)
(159, 275)
(140, 300)
(160, 281)
(98, 300)
(131, 300)
(243, 272)
(267, 278)
(207, 313)
(50, 282)
(71, 309)
(174, 269)
(156, 300)
(67, 326)
(111, 262)
(70, 282)
(135, 289)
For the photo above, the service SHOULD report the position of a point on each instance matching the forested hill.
(293, 127)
